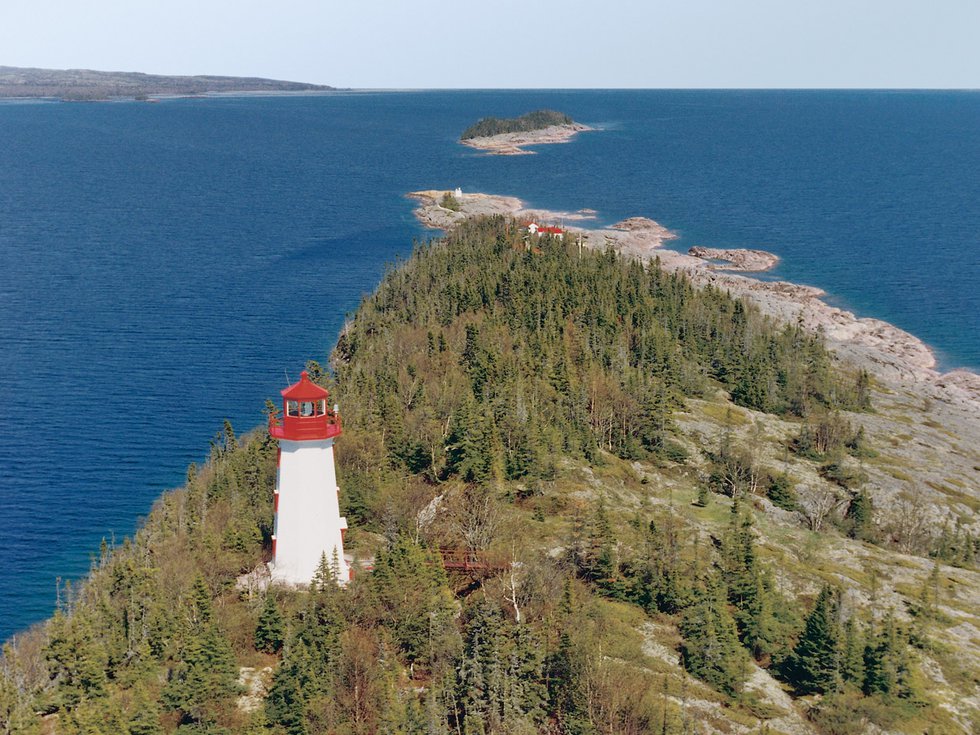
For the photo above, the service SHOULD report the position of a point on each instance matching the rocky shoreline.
(897, 359)
(512, 144)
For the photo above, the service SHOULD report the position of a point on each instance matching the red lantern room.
(305, 415)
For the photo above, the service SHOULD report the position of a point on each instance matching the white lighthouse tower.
(308, 524)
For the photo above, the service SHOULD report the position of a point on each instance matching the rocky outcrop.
(736, 259)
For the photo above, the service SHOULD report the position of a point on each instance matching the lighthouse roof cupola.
(306, 413)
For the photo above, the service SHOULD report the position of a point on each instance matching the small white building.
(458, 192)
(308, 524)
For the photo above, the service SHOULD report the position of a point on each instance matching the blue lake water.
(166, 266)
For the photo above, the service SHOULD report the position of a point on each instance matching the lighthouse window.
(306, 409)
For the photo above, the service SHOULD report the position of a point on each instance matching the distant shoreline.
(86, 85)
(169, 97)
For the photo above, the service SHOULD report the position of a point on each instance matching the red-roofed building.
(537, 230)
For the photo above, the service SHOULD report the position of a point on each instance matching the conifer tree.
(524, 694)
(852, 654)
(710, 650)
(815, 665)
(269, 633)
(411, 590)
(887, 664)
(563, 675)
(481, 673)
(285, 705)
(205, 677)
(750, 588)
(859, 516)
(76, 658)
(145, 716)
(664, 587)
(781, 492)
(600, 559)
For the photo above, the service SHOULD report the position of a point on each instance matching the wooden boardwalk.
(464, 560)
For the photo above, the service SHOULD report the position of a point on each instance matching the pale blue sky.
(504, 43)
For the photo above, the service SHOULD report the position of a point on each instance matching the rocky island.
(85, 84)
(509, 137)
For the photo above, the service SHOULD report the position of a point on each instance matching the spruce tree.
(563, 672)
(285, 704)
(525, 695)
(859, 516)
(269, 633)
(409, 585)
(815, 665)
(481, 674)
(76, 658)
(205, 677)
(145, 716)
(852, 654)
(781, 492)
(887, 664)
(601, 552)
(749, 587)
(710, 650)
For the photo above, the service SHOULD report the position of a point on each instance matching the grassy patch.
(958, 496)
(899, 475)
(725, 414)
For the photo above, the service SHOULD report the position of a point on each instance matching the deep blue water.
(163, 267)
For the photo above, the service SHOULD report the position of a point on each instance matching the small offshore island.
(508, 137)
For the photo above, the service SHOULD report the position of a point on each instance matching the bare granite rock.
(737, 259)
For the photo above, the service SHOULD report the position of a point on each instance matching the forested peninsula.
(508, 137)
(85, 84)
(680, 514)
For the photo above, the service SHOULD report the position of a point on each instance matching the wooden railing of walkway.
(464, 560)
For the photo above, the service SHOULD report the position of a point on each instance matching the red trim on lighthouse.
(304, 390)
(306, 415)
(275, 502)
